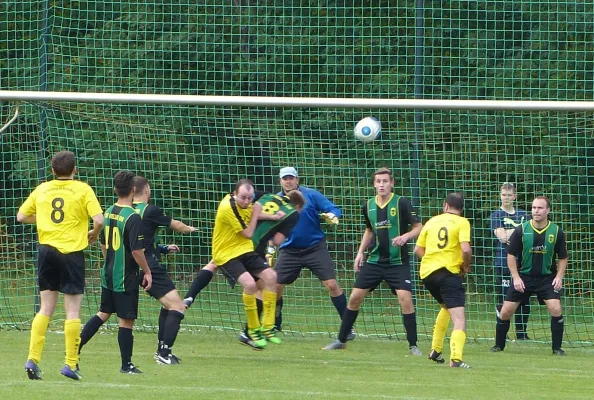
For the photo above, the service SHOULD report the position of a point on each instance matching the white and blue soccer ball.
(368, 129)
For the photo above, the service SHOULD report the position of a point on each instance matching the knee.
(506, 311)
(103, 316)
(406, 303)
(126, 323)
(211, 266)
(269, 276)
(250, 288)
(333, 287)
(355, 301)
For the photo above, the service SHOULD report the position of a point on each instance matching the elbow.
(99, 220)
(20, 218)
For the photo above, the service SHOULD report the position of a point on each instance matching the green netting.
(193, 155)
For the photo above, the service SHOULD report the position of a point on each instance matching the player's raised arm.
(180, 227)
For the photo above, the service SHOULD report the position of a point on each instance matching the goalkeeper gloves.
(330, 218)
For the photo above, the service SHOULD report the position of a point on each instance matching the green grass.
(216, 367)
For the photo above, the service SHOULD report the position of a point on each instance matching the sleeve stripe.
(236, 212)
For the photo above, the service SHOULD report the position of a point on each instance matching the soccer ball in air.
(368, 129)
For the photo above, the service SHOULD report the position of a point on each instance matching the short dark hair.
(455, 200)
(243, 182)
(546, 199)
(508, 186)
(296, 198)
(382, 171)
(63, 163)
(123, 183)
(140, 183)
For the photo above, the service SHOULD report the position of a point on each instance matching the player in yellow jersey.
(233, 251)
(444, 247)
(61, 209)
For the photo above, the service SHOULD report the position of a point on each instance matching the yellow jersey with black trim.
(227, 241)
(441, 237)
(62, 208)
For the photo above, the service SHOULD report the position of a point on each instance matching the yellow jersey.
(441, 237)
(227, 240)
(62, 208)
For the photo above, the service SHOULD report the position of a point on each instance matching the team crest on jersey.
(551, 238)
(393, 211)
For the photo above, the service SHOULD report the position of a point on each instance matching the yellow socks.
(38, 329)
(251, 311)
(439, 330)
(457, 342)
(269, 311)
(72, 338)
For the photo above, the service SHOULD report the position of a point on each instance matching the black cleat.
(132, 370)
(495, 349)
(188, 302)
(436, 357)
(522, 336)
(559, 352)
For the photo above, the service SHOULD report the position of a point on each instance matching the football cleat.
(252, 339)
(495, 349)
(436, 357)
(188, 302)
(559, 352)
(459, 364)
(336, 345)
(131, 369)
(414, 350)
(270, 336)
(33, 371)
(71, 373)
(169, 359)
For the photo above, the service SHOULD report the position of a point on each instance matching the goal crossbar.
(323, 102)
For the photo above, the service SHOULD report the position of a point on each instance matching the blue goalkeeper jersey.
(308, 232)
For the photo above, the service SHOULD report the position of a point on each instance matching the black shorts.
(60, 272)
(396, 276)
(541, 286)
(446, 288)
(123, 304)
(316, 258)
(249, 262)
(284, 227)
(162, 283)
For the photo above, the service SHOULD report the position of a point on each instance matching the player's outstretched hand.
(147, 282)
(330, 218)
(173, 248)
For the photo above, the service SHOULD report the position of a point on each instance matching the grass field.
(216, 367)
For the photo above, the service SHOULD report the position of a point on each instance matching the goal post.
(193, 151)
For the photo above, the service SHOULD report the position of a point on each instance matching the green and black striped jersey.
(122, 234)
(389, 221)
(537, 249)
